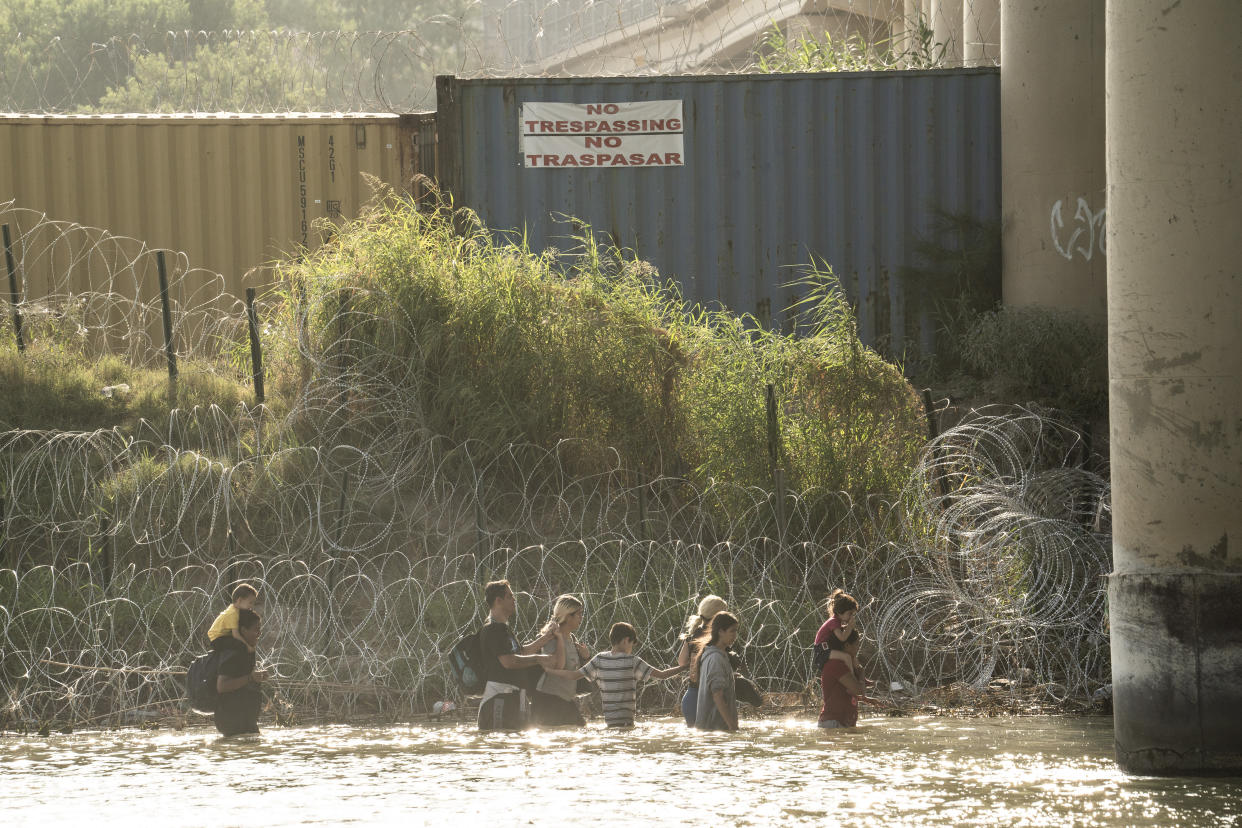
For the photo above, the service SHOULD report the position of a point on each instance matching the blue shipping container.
(847, 167)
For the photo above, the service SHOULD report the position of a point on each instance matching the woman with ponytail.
(554, 701)
(691, 642)
(716, 707)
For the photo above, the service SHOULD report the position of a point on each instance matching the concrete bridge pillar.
(1052, 160)
(1175, 365)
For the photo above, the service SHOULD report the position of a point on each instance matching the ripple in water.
(919, 771)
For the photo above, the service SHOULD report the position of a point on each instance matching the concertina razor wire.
(369, 546)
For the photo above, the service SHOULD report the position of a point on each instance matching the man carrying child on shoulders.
(508, 666)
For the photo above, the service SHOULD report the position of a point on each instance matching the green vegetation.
(917, 49)
(414, 326)
(983, 353)
(238, 55)
(417, 328)
(445, 409)
(986, 353)
(957, 278)
(500, 346)
(240, 76)
(56, 387)
(1053, 357)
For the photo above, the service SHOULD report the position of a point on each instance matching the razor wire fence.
(369, 537)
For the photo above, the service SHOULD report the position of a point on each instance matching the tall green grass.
(413, 324)
(917, 49)
(497, 344)
(1055, 358)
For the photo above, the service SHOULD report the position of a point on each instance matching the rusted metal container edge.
(850, 168)
(233, 191)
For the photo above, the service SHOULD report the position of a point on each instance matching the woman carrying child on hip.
(843, 685)
(842, 608)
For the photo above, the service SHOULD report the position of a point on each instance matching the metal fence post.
(334, 572)
(256, 347)
(342, 328)
(642, 507)
(933, 434)
(105, 553)
(169, 348)
(781, 522)
(774, 435)
(480, 524)
(13, 295)
(774, 455)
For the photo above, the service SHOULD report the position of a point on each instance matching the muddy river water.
(891, 771)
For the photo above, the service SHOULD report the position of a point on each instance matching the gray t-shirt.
(715, 673)
(562, 688)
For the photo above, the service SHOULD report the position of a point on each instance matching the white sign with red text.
(569, 135)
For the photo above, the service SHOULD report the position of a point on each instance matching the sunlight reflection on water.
(917, 771)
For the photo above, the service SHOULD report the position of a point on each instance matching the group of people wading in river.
(539, 682)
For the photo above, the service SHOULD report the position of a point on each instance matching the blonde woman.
(692, 641)
(555, 700)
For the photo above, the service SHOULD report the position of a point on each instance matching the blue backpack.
(466, 659)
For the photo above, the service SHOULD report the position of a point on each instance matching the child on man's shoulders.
(224, 632)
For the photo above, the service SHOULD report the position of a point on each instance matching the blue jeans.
(690, 705)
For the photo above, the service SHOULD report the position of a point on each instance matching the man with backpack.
(510, 669)
(237, 681)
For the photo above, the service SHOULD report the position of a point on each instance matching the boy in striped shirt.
(617, 673)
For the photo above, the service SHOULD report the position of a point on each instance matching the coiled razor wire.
(370, 544)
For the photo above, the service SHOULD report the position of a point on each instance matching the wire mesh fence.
(369, 542)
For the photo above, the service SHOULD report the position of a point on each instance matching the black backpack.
(466, 659)
(822, 653)
(200, 683)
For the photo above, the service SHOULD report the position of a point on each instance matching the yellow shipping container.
(231, 191)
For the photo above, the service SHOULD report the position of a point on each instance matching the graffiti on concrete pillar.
(1083, 236)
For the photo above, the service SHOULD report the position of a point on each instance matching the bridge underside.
(718, 35)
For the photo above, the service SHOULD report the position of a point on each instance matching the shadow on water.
(916, 771)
